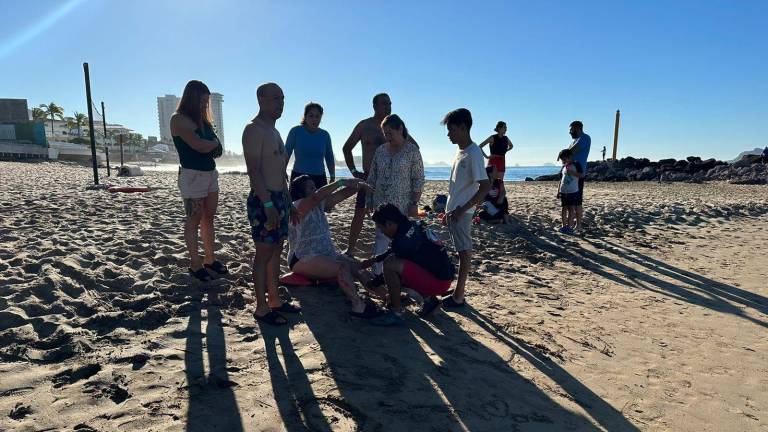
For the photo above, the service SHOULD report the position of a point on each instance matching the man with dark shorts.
(369, 133)
(269, 206)
(580, 148)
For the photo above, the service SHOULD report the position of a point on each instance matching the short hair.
(388, 212)
(499, 125)
(380, 95)
(565, 153)
(457, 117)
(394, 121)
(263, 88)
(310, 106)
(298, 187)
(577, 124)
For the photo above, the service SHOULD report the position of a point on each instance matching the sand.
(654, 320)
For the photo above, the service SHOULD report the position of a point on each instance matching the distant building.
(13, 111)
(166, 106)
(218, 117)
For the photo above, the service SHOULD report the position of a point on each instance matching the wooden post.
(90, 123)
(616, 134)
(106, 148)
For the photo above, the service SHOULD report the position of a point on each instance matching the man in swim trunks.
(269, 206)
(369, 133)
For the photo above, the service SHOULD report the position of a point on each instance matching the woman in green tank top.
(198, 146)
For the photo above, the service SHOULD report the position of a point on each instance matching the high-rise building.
(166, 106)
(218, 116)
(14, 111)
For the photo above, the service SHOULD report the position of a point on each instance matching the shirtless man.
(369, 133)
(269, 205)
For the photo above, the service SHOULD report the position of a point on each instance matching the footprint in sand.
(71, 376)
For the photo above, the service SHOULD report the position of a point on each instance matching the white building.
(218, 116)
(166, 106)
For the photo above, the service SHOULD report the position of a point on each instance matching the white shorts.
(461, 232)
(197, 184)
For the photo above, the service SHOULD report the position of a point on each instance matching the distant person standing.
(603, 153)
(198, 146)
(764, 156)
(312, 145)
(368, 133)
(468, 186)
(500, 145)
(580, 150)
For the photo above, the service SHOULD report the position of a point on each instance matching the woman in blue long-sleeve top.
(312, 146)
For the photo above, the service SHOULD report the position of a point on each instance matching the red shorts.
(422, 281)
(498, 162)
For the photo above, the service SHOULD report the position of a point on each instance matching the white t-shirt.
(468, 169)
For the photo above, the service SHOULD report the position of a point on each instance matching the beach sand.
(654, 320)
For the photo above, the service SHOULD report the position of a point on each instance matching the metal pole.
(106, 148)
(616, 134)
(90, 122)
(121, 150)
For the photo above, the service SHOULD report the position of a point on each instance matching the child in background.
(568, 191)
(495, 208)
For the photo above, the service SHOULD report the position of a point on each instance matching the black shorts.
(570, 199)
(319, 179)
(580, 193)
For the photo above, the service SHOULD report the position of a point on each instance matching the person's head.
(459, 123)
(195, 103)
(301, 187)
(576, 129)
(313, 113)
(565, 156)
(388, 218)
(382, 105)
(271, 100)
(394, 129)
(501, 128)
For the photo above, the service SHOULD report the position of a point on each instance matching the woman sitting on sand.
(311, 250)
(500, 145)
(312, 145)
(198, 146)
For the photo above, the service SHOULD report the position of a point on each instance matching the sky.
(688, 76)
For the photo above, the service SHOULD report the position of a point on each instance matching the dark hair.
(190, 104)
(388, 212)
(500, 125)
(395, 122)
(457, 117)
(262, 89)
(308, 107)
(577, 124)
(380, 95)
(298, 187)
(565, 153)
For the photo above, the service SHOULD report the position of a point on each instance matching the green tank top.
(192, 159)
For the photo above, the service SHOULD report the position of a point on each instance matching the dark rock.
(747, 160)
(529, 179)
(693, 159)
(667, 161)
(548, 177)
(681, 165)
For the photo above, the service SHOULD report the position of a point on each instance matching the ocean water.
(430, 173)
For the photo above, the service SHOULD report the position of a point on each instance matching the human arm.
(477, 171)
(373, 176)
(575, 170)
(509, 144)
(184, 128)
(290, 144)
(485, 143)
(253, 146)
(330, 159)
(417, 184)
(349, 145)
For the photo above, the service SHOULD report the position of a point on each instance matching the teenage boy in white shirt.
(468, 186)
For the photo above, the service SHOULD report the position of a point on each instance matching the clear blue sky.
(690, 77)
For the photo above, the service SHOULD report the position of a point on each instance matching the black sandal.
(369, 312)
(449, 302)
(218, 267)
(201, 274)
(429, 307)
(272, 318)
(287, 308)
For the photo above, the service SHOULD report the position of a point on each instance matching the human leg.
(207, 232)
(321, 267)
(357, 223)
(393, 268)
(193, 209)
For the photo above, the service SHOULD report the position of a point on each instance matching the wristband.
(268, 204)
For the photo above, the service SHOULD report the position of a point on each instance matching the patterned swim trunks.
(257, 217)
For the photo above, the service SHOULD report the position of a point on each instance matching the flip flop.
(218, 267)
(201, 274)
(369, 312)
(429, 307)
(449, 302)
(272, 318)
(287, 308)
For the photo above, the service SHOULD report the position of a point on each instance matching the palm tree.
(38, 114)
(53, 111)
(80, 120)
(70, 124)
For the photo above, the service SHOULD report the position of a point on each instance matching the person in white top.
(468, 186)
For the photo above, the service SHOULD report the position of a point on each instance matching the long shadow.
(697, 290)
(296, 402)
(212, 404)
(602, 412)
(386, 381)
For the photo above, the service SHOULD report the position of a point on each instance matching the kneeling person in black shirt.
(416, 259)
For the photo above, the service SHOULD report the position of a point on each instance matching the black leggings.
(319, 179)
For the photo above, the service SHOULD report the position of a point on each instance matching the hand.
(413, 211)
(294, 214)
(453, 215)
(272, 218)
